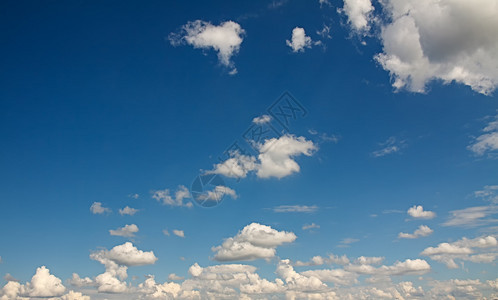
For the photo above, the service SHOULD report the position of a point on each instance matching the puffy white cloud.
(295, 208)
(97, 208)
(472, 216)
(253, 242)
(336, 276)
(126, 255)
(456, 289)
(77, 281)
(318, 260)
(275, 159)
(299, 40)
(418, 212)
(465, 250)
(72, 295)
(153, 290)
(447, 40)
(422, 231)
(225, 39)
(181, 193)
(179, 233)
(407, 267)
(277, 155)
(128, 211)
(298, 281)
(44, 284)
(126, 231)
(359, 13)
(173, 276)
(486, 142)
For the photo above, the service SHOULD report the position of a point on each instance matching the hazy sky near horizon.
(292, 149)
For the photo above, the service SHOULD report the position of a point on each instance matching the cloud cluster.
(465, 250)
(447, 40)
(128, 211)
(422, 231)
(275, 159)
(225, 39)
(165, 197)
(254, 241)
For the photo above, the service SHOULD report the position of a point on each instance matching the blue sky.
(382, 185)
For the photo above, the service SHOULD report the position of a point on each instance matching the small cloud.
(472, 216)
(97, 208)
(179, 233)
(310, 226)
(346, 242)
(175, 277)
(418, 212)
(217, 194)
(299, 40)
(295, 208)
(390, 146)
(128, 211)
(422, 231)
(488, 141)
(134, 196)
(262, 119)
(165, 197)
(126, 231)
(166, 232)
(324, 32)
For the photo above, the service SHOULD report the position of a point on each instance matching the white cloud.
(181, 193)
(472, 216)
(407, 267)
(422, 231)
(44, 284)
(277, 155)
(417, 212)
(295, 208)
(165, 232)
(447, 40)
(466, 250)
(72, 295)
(179, 233)
(126, 231)
(344, 243)
(125, 255)
(128, 211)
(9, 277)
(275, 159)
(154, 290)
(310, 226)
(488, 193)
(318, 260)
(175, 277)
(97, 208)
(225, 39)
(390, 146)
(262, 119)
(299, 40)
(488, 141)
(77, 281)
(359, 13)
(217, 193)
(253, 242)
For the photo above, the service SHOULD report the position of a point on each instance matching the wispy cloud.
(295, 208)
(390, 146)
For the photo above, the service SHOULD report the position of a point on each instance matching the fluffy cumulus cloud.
(359, 14)
(128, 211)
(126, 231)
(225, 39)
(447, 40)
(423, 230)
(479, 250)
(164, 196)
(97, 208)
(487, 142)
(299, 40)
(254, 241)
(276, 159)
(418, 212)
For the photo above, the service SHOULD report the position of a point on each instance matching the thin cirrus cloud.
(487, 142)
(295, 208)
(225, 39)
(390, 146)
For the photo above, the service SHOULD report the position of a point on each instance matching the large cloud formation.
(445, 40)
